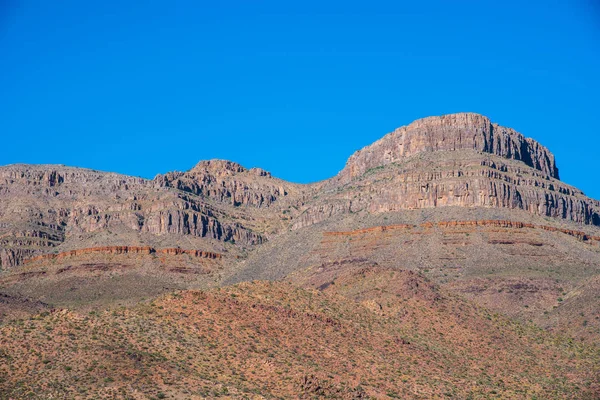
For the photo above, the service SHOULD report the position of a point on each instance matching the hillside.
(275, 340)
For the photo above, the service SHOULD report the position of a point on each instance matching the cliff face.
(460, 160)
(46, 177)
(42, 207)
(465, 131)
(227, 182)
(472, 205)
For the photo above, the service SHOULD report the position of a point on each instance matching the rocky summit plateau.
(445, 260)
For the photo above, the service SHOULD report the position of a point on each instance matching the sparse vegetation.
(280, 340)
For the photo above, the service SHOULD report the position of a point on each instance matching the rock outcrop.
(584, 237)
(10, 257)
(116, 250)
(227, 182)
(48, 176)
(459, 160)
(42, 207)
(464, 131)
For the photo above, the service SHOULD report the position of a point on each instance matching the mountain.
(436, 229)
(460, 160)
(268, 340)
(48, 207)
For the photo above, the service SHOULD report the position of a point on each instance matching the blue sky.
(293, 87)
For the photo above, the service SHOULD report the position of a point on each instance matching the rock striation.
(46, 206)
(584, 237)
(227, 182)
(458, 160)
(463, 131)
(116, 250)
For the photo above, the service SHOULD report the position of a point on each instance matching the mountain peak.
(225, 168)
(217, 166)
(461, 131)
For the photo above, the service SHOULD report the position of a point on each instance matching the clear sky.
(145, 87)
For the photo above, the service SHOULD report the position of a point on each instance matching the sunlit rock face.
(459, 160)
(465, 131)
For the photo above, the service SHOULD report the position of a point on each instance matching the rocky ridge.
(45, 207)
(464, 131)
(458, 160)
(476, 223)
(212, 179)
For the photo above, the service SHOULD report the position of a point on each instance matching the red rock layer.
(196, 253)
(475, 223)
(125, 250)
(382, 228)
(494, 223)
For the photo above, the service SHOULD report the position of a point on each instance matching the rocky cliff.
(464, 131)
(459, 160)
(472, 206)
(47, 206)
(228, 182)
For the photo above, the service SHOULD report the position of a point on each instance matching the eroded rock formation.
(459, 160)
(43, 207)
(464, 131)
(227, 182)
